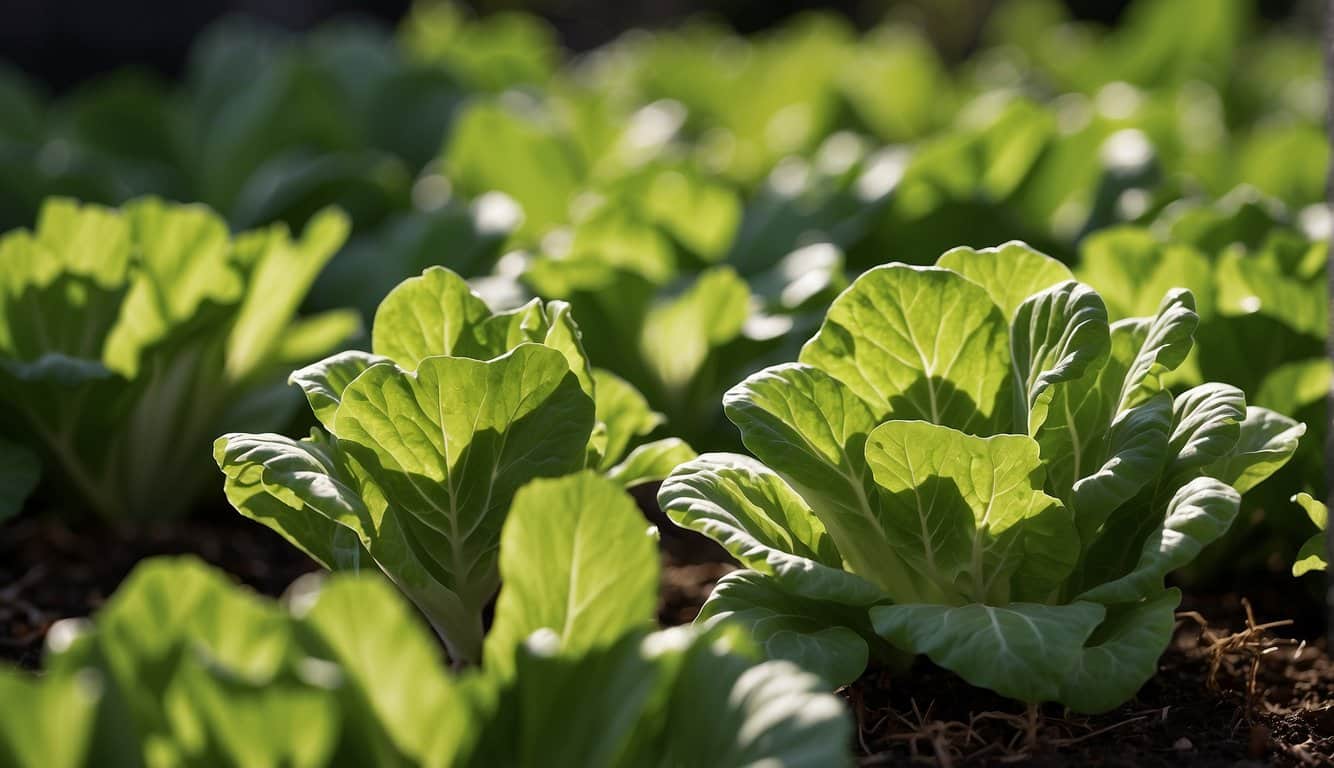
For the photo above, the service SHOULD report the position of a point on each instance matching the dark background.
(64, 42)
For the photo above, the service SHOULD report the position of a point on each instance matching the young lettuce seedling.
(970, 462)
(183, 668)
(129, 337)
(427, 438)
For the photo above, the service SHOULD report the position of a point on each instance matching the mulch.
(1246, 682)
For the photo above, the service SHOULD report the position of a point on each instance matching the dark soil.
(691, 564)
(1182, 716)
(1237, 693)
(50, 570)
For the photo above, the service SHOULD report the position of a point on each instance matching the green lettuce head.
(129, 337)
(969, 461)
(426, 439)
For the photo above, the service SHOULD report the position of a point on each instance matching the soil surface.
(50, 570)
(1188, 714)
(1236, 688)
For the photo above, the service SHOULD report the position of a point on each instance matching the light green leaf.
(1074, 438)
(62, 290)
(1313, 555)
(969, 512)
(1057, 337)
(184, 262)
(1136, 451)
(449, 444)
(49, 721)
(1198, 514)
(495, 149)
(919, 343)
(280, 280)
(820, 637)
(624, 411)
(87, 240)
(324, 381)
(763, 523)
(116, 356)
(1122, 654)
(811, 429)
(1167, 339)
(651, 462)
(1247, 285)
(1010, 272)
(698, 211)
(1022, 650)
(585, 710)
(724, 710)
(166, 607)
(426, 316)
(1314, 509)
(313, 336)
(1116, 423)
(681, 333)
(19, 473)
(550, 324)
(1291, 387)
(1131, 269)
(301, 490)
(219, 718)
(315, 497)
(1267, 441)
(1206, 426)
(557, 574)
(392, 672)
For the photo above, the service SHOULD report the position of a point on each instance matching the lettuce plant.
(181, 668)
(427, 437)
(1259, 292)
(1313, 555)
(970, 462)
(130, 337)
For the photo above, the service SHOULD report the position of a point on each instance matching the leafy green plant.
(1312, 556)
(183, 669)
(969, 461)
(426, 439)
(130, 337)
(1259, 290)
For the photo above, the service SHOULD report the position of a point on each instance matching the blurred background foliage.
(700, 179)
(65, 42)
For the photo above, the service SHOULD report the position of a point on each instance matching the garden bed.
(1189, 714)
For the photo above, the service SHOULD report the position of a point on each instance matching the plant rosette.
(427, 438)
(130, 337)
(968, 461)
